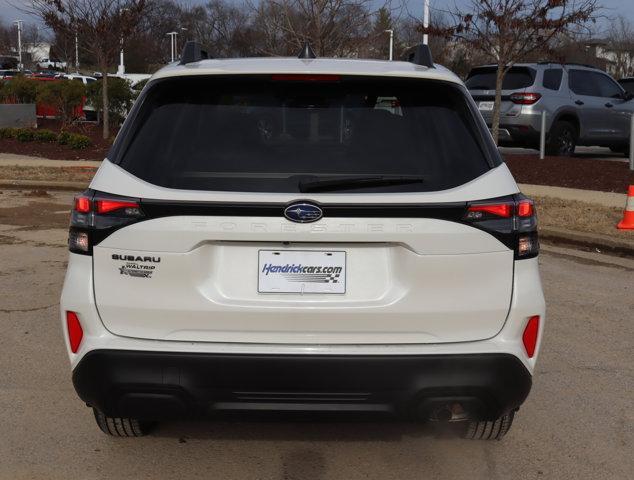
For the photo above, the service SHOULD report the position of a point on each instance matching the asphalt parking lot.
(577, 423)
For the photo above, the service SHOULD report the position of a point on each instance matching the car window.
(594, 84)
(608, 87)
(552, 78)
(268, 133)
(628, 84)
(483, 78)
(582, 82)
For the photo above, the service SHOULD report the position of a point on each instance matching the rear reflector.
(530, 335)
(525, 98)
(105, 206)
(75, 332)
(305, 78)
(504, 210)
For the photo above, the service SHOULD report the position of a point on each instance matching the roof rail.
(193, 52)
(547, 62)
(421, 56)
(306, 51)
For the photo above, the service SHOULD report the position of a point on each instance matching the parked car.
(4, 74)
(584, 106)
(339, 256)
(628, 84)
(90, 111)
(46, 74)
(51, 63)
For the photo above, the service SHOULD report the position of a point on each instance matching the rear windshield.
(274, 133)
(483, 78)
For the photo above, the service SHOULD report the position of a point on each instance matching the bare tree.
(508, 31)
(104, 26)
(225, 28)
(333, 27)
(620, 47)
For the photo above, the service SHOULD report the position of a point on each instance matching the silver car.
(583, 105)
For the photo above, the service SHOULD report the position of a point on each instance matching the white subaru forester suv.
(303, 234)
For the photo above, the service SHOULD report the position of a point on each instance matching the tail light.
(529, 338)
(301, 77)
(528, 98)
(512, 220)
(96, 215)
(75, 332)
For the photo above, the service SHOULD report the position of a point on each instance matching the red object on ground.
(48, 111)
(628, 214)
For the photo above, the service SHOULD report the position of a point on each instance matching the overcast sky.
(9, 13)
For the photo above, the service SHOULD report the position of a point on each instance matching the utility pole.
(172, 36)
(391, 32)
(426, 20)
(76, 52)
(19, 24)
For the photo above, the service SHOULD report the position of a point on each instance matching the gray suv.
(584, 106)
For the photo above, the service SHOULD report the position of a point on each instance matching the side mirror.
(627, 96)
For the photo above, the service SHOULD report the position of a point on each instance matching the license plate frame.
(315, 272)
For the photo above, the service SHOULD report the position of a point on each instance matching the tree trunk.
(495, 123)
(105, 103)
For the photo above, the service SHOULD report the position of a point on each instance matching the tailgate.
(418, 280)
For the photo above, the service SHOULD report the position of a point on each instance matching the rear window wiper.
(355, 182)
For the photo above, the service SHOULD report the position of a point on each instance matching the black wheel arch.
(570, 117)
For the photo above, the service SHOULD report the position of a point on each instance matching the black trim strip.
(162, 208)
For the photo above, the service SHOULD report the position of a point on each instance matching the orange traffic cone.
(628, 214)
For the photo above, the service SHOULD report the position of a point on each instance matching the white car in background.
(89, 110)
(47, 63)
(308, 235)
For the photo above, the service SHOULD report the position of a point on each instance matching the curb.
(586, 241)
(44, 184)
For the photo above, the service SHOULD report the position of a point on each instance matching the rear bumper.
(518, 135)
(155, 385)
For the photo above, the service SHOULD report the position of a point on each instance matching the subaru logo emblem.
(303, 212)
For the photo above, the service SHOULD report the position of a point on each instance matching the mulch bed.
(97, 151)
(571, 172)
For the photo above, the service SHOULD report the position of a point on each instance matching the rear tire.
(121, 427)
(489, 430)
(562, 139)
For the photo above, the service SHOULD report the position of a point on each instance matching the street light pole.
(426, 21)
(391, 32)
(172, 36)
(121, 69)
(19, 24)
(76, 52)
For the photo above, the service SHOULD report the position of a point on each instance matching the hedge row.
(73, 140)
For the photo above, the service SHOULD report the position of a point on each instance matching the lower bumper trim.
(156, 385)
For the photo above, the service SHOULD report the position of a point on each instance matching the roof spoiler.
(421, 56)
(193, 52)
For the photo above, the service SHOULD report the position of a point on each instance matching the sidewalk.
(10, 159)
(606, 199)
